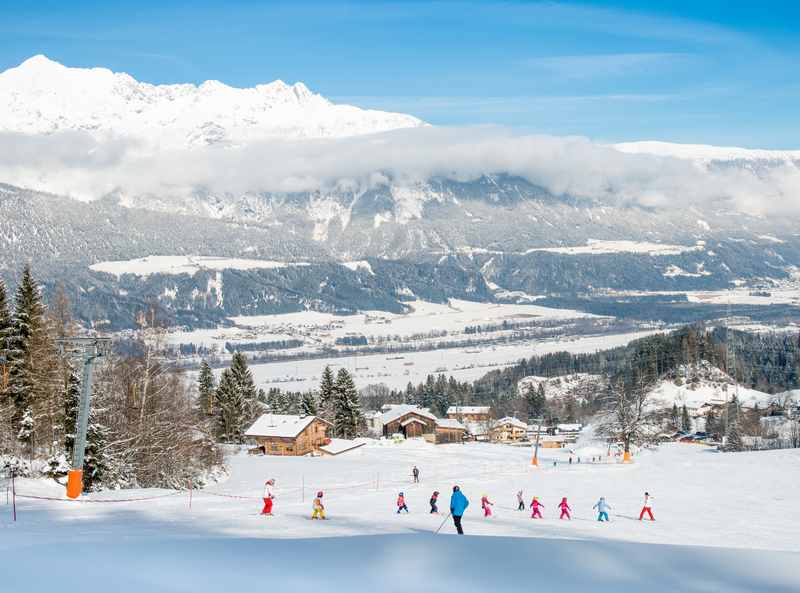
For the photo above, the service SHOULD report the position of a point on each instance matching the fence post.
(190, 494)
(303, 489)
(14, 495)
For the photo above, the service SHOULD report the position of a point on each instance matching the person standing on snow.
(415, 474)
(318, 508)
(648, 507)
(602, 509)
(435, 503)
(401, 503)
(486, 505)
(564, 508)
(537, 508)
(268, 497)
(520, 501)
(458, 505)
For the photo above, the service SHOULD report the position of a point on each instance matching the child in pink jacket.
(564, 508)
(536, 506)
(485, 505)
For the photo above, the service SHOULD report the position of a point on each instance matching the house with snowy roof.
(465, 414)
(410, 421)
(450, 431)
(289, 434)
(509, 430)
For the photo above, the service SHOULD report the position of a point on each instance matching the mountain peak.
(41, 96)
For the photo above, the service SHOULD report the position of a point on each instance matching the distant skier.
(401, 503)
(458, 505)
(486, 505)
(647, 507)
(415, 474)
(520, 501)
(537, 507)
(602, 509)
(435, 503)
(268, 497)
(318, 507)
(564, 508)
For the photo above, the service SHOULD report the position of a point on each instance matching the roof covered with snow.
(337, 446)
(450, 423)
(510, 421)
(468, 410)
(279, 425)
(400, 410)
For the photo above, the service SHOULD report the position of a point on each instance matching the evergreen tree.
(308, 404)
(675, 418)
(347, 417)
(712, 425)
(72, 401)
(237, 401)
(569, 409)
(686, 421)
(6, 321)
(27, 321)
(206, 388)
(733, 436)
(326, 393)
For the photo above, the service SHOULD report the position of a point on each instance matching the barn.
(410, 421)
(450, 431)
(288, 434)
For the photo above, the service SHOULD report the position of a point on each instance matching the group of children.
(602, 507)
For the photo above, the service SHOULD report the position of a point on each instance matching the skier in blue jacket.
(458, 504)
(602, 509)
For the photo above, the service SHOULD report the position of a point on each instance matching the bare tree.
(626, 415)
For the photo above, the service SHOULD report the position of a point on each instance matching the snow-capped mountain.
(41, 96)
(705, 153)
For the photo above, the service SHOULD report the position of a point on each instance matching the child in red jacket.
(401, 503)
(564, 508)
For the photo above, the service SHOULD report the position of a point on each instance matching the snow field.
(725, 522)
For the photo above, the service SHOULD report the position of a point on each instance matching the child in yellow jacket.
(318, 508)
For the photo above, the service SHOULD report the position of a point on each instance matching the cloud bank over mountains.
(87, 166)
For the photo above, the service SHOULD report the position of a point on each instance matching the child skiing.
(520, 501)
(268, 497)
(536, 506)
(318, 507)
(648, 507)
(602, 509)
(486, 505)
(401, 503)
(415, 474)
(564, 509)
(434, 503)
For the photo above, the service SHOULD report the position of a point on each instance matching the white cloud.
(86, 168)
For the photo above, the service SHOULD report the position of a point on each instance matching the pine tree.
(347, 418)
(72, 401)
(675, 418)
(686, 421)
(206, 387)
(6, 321)
(237, 401)
(308, 404)
(326, 394)
(712, 426)
(27, 321)
(733, 435)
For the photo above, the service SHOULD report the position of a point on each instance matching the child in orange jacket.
(401, 503)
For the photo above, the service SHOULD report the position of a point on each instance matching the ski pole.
(443, 522)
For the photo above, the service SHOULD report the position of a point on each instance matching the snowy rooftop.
(401, 410)
(570, 427)
(468, 410)
(508, 420)
(279, 425)
(450, 423)
(337, 446)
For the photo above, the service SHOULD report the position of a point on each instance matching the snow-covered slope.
(41, 96)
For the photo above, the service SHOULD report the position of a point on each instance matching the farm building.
(508, 429)
(288, 434)
(450, 431)
(410, 421)
(470, 413)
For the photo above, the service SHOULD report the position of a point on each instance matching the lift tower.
(88, 350)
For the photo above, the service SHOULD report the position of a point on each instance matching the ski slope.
(724, 522)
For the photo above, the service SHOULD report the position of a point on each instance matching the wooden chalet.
(410, 421)
(450, 431)
(509, 430)
(288, 434)
(467, 414)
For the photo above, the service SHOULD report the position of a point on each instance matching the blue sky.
(707, 72)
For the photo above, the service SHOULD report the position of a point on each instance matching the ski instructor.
(458, 504)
